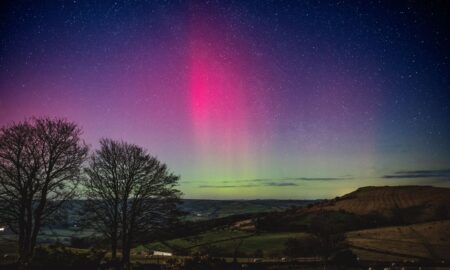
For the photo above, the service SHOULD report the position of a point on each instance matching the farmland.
(225, 242)
(420, 241)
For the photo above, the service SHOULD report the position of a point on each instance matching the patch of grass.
(271, 244)
(226, 242)
(427, 240)
(8, 246)
(197, 240)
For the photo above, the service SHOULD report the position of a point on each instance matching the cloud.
(418, 174)
(317, 178)
(271, 184)
(248, 180)
(263, 180)
(227, 186)
(281, 184)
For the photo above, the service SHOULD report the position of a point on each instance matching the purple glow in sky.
(251, 99)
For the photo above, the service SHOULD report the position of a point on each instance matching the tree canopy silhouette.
(130, 194)
(40, 164)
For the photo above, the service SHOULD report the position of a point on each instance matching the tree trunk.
(34, 235)
(126, 257)
(25, 251)
(126, 249)
(114, 233)
(125, 236)
(24, 256)
(113, 247)
(21, 250)
(24, 262)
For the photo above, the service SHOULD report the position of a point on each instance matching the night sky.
(244, 99)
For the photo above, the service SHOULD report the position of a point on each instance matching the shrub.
(63, 258)
(304, 247)
(204, 263)
(258, 253)
(345, 257)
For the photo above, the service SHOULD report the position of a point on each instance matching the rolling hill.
(413, 203)
(389, 223)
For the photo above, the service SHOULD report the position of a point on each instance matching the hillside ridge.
(424, 202)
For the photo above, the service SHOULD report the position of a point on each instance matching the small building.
(162, 253)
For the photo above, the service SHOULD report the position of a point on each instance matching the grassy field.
(227, 241)
(8, 246)
(271, 244)
(421, 241)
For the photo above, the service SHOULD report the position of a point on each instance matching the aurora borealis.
(244, 99)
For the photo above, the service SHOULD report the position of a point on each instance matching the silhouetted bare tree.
(102, 193)
(130, 194)
(40, 163)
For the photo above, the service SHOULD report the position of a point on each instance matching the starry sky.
(243, 99)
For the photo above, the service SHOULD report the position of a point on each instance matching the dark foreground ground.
(219, 264)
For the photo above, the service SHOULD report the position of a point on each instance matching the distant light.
(2, 229)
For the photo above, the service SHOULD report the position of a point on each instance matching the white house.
(162, 253)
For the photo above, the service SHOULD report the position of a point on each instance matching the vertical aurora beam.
(218, 101)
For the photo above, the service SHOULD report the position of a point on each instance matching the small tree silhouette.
(329, 233)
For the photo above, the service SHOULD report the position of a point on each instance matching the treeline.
(44, 162)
